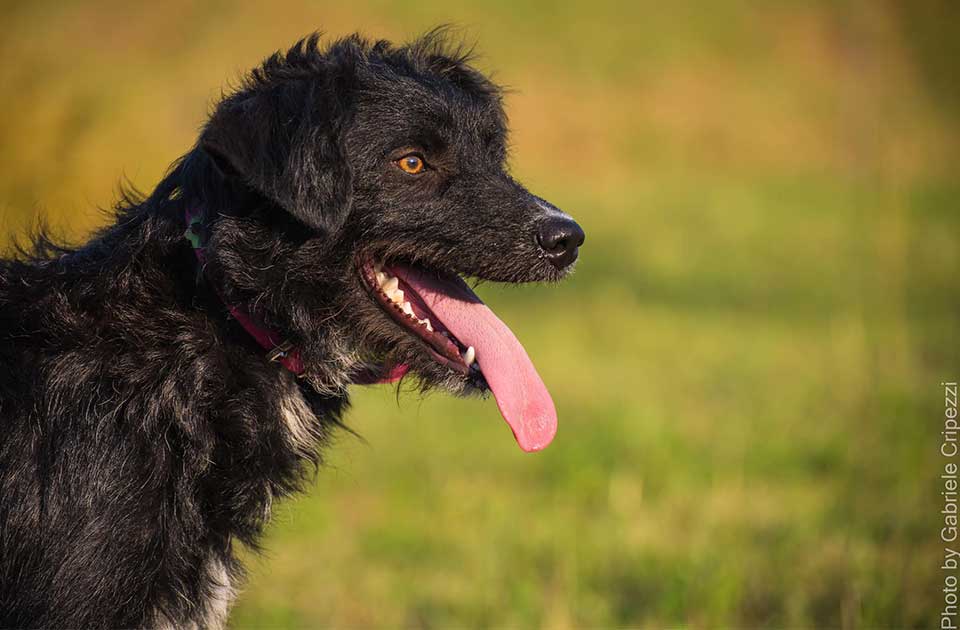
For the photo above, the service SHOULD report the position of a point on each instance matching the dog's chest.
(215, 607)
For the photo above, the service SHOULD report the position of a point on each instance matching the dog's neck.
(277, 348)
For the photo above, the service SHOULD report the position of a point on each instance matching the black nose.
(560, 238)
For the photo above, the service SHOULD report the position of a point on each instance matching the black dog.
(163, 384)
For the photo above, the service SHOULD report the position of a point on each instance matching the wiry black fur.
(142, 431)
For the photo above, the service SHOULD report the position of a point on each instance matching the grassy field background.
(746, 363)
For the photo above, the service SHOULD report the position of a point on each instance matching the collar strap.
(278, 349)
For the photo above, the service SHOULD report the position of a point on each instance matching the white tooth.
(389, 285)
(469, 355)
(406, 308)
(381, 278)
(426, 322)
(396, 296)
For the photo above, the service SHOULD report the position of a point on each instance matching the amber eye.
(412, 164)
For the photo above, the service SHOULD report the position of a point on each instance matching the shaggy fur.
(143, 433)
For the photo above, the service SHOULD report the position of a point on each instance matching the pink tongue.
(522, 397)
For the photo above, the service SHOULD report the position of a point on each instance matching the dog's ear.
(287, 144)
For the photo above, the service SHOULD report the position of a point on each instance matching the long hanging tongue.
(522, 397)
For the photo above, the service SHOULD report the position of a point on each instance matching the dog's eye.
(412, 164)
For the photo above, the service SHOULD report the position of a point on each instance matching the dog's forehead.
(434, 90)
(431, 105)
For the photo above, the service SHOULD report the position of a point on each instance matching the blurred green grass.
(746, 362)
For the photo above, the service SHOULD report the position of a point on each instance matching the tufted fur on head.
(144, 431)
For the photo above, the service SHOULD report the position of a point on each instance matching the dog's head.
(358, 186)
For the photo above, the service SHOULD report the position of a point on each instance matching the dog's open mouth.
(408, 309)
(460, 332)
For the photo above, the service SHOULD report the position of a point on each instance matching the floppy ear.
(286, 143)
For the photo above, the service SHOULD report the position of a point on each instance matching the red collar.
(278, 349)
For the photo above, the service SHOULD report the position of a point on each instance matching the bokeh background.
(746, 362)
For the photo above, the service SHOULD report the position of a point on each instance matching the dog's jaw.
(463, 336)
